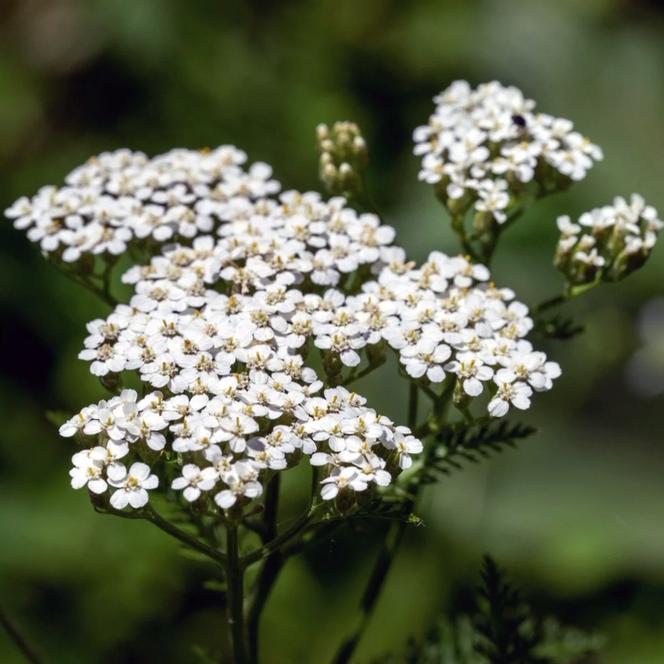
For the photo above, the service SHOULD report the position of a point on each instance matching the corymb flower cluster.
(222, 331)
(122, 196)
(258, 310)
(482, 147)
(608, 242)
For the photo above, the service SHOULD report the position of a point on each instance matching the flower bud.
(343, 148)
(607, 243)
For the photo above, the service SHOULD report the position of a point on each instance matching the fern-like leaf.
(472, 443)
(508, 633)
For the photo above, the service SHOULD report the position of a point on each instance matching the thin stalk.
(550, 303)
(235, 596)
(274, 555)
(153, 517)
(365, 372)
(270, 569)
(273, 545)
(102, 293)
(19, 639)
(372, 590)
(412, 405)
(489, 247)
(148, 513)
(568, 294)
(385, 559)
(459, 229)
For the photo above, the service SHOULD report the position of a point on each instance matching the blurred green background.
(576, 515)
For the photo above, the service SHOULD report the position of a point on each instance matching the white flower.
(341, 479)
(131, 486)
(509, 392)
(471, 371)
(241, 482)
(194, 480)
(87, 471)
(405, 446)
(484, 142)
(426, 357)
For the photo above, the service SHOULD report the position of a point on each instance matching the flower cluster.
(224, 444)
(226, 324)
(444, 318)
(122, 196)
(608, 242)
(244, 288)
(482, 146)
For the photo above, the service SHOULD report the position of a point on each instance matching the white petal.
(498, 407)
(138, 498)
(225, 499)
(472, 387)
(120, 499)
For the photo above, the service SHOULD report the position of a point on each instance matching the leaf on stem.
(472, 443)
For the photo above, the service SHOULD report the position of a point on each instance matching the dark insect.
(519, 120)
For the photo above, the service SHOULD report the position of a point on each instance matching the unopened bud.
(343, 148)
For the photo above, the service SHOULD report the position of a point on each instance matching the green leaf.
(472, 443)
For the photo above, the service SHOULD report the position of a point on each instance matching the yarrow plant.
(253, 312)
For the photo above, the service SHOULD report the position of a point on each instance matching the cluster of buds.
(607, 243)
(343, 158)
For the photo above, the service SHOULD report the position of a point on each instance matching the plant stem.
(270, 569)
(148, 513)
(235, 596)
(102, 293)
(412, 405)
(153, 517)
(18, 638)
(568, 294)
(550, 303)
(274, 544)
(459, 229)
(385, 558)
(372, 590)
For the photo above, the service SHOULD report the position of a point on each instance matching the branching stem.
(235, 596)
(18, 638)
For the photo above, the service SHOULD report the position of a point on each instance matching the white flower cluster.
(223, 320)
(612, 240)
(228, 440)
(483, 144)
(120, 196)
(232, 358)
(444, 318)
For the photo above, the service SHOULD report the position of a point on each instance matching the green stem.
(149, 514)
(412, 405)
(365, 372)
(384, 561)
(372, 590)
(153, 517)
(489, 247)
(568, 294)
(550, 303)
(270, 569)
(18, 638)
(459, 229)
(102, 293)
(235, 596)
(275, 543)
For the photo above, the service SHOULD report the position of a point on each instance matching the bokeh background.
(576, 514)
